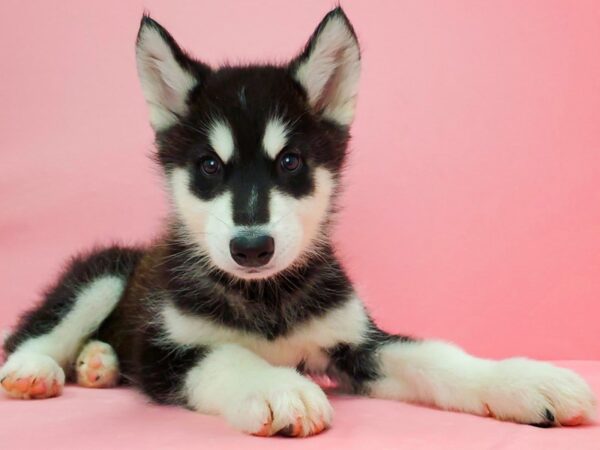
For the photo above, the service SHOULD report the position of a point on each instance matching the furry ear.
(329, 68)
(166, 73)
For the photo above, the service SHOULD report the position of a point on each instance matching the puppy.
(243, 294)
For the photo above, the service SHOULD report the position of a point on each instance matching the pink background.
(473, 200)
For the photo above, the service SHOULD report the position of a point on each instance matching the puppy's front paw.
(538, 393)
(97, 365)
(32, 375)
(282, 402)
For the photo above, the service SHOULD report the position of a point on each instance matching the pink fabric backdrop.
(473, 200)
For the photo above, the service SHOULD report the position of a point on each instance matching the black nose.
(252, 251)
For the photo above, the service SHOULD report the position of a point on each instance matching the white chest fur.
(307, 343)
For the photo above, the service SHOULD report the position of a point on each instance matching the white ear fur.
(165, 82)
(329, 68)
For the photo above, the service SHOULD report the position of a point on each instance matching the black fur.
(161, 368)
(271, 308)
(59, 299)
(356, 365)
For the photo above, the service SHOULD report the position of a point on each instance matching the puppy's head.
(252, 154)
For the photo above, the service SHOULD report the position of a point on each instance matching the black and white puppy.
(243, 293)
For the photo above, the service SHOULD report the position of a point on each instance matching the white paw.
(97, 365)
(280, 401)
(31, 375)
(537, 393)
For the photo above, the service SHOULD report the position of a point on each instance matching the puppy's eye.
(210, 165)
(290, 161)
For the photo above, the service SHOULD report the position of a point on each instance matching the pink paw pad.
(31, 387)
(97, 366)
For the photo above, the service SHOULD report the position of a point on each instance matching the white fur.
(24, 364)
(164, 82)
(441, 374)
(253, 395)
(294, 223)
(275, 137)
(220, 138)
(331, 72)
(209, 223)
(306, 343)
(93, 304)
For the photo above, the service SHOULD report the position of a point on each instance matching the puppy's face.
(252, 154)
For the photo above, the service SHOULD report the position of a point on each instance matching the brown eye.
(210, 165)
(290, 161)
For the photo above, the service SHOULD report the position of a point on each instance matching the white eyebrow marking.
(275, 137)
(221, 139)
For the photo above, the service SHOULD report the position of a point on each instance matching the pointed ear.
(166, 73)
(329, 68)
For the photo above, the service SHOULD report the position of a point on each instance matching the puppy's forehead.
(251, 112)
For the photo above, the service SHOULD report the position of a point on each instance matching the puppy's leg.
(48, 338)
(256, 397)
(441, 374)
(233, 382)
